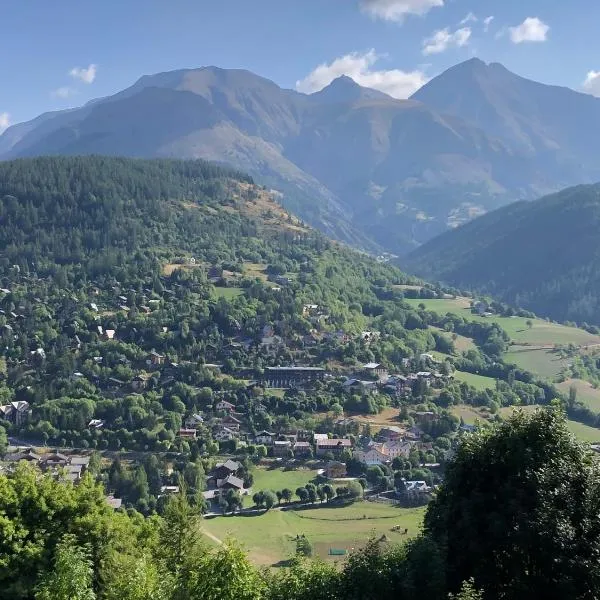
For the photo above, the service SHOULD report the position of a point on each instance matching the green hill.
(542, 255)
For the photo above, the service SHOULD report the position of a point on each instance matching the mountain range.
(542, 255)
(379, 173)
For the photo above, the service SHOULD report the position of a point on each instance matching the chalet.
(140, 382)
(223, 470)
(375, 370)
(302, 449)
(93, 306)
(264, 437)
(16, 412)
(292, 377)
(334, 445)
(425, 416)
(225, 434)
(109, 334)
(167, 490)
(413, 433)
(194, 420)
(188, 433)
(115, 384)
(319, 437)
(155, 358)
(231, 422)
(224, 406)
(390, 433)
(281, 448)
(232, 483)
(96, 424)
(28, 455)
(360, 386)
(370, 336)
(309, 309)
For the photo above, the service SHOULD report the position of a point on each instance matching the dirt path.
(214, 538)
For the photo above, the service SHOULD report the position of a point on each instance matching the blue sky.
(62, 53)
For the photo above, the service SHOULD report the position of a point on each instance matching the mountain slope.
(542, 255)
(371, 170)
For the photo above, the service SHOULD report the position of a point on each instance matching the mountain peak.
(345, 89)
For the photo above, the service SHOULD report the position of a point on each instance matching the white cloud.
(63, 92)
(396, 10)
(592, 83)
(4, 121)
(359, 66)
(531, 29)
(86, 75)
(443, 39)
(486, 23)
(470, 18)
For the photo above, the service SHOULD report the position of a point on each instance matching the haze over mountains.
(374, 171)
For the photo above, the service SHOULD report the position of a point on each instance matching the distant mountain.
(541, 255)
(376, 172)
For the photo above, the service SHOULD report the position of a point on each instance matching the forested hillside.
(542, 255)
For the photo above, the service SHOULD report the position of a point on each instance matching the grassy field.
(269, 537)
(544, 363)
(468, 414)
(585, 392)
(541, 332)
(228, 292)
(479, 382)
(584, 433)
(278, 479)
(461, 343)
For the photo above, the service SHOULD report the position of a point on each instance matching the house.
(302, 450)
(232, 483)
(309, 309)
(319, 437)
(223, 470)
(187, 433)
(413, 433)
(225, 434)
(114, 502)
(390, 433)
(264, 437)
(292, 377)
(140, 382)
(194, 420)
(109, 334)
(27, 455)
(335, 469)
(425, 416)
(370, 336)
(372, 456)
(155, 358)
(16, 412)
(397, 449)
(334, 445)
(281, 448)
(224, 406)
(376, 370)
(166, 490)
(231, 422)
(359, 386)
(96, 424)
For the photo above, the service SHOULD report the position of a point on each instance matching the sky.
(58, 54)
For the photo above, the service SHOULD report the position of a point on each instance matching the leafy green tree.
(520, 511)
(467, 592)
(129, 577)
(3, 441)
(302, 494)
(270, 499)
(303, 546)
(71, 576)
(286, 494)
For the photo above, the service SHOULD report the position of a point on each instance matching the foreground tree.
(520, 512)
(71, 575)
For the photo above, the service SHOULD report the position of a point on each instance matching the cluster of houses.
(70, 467)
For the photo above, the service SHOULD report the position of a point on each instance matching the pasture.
(586, 393)
(276, 478)
(542, 362)
(479, 382)
(269, 537)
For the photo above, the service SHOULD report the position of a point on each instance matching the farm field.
(468, 414)
(544, 363)
(461, 343)
(586, 393)
(479, 382)
(387, 417)
(269, 537)
(541, 333)
(277, 479)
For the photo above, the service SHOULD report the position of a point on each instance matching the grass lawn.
(469, 414)
(277, 478)
(269, 537)
(544, 363)
(584, 433)
(228, 292)
(276, 392)
(479, 382)
(541, 333)
(585, 392)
